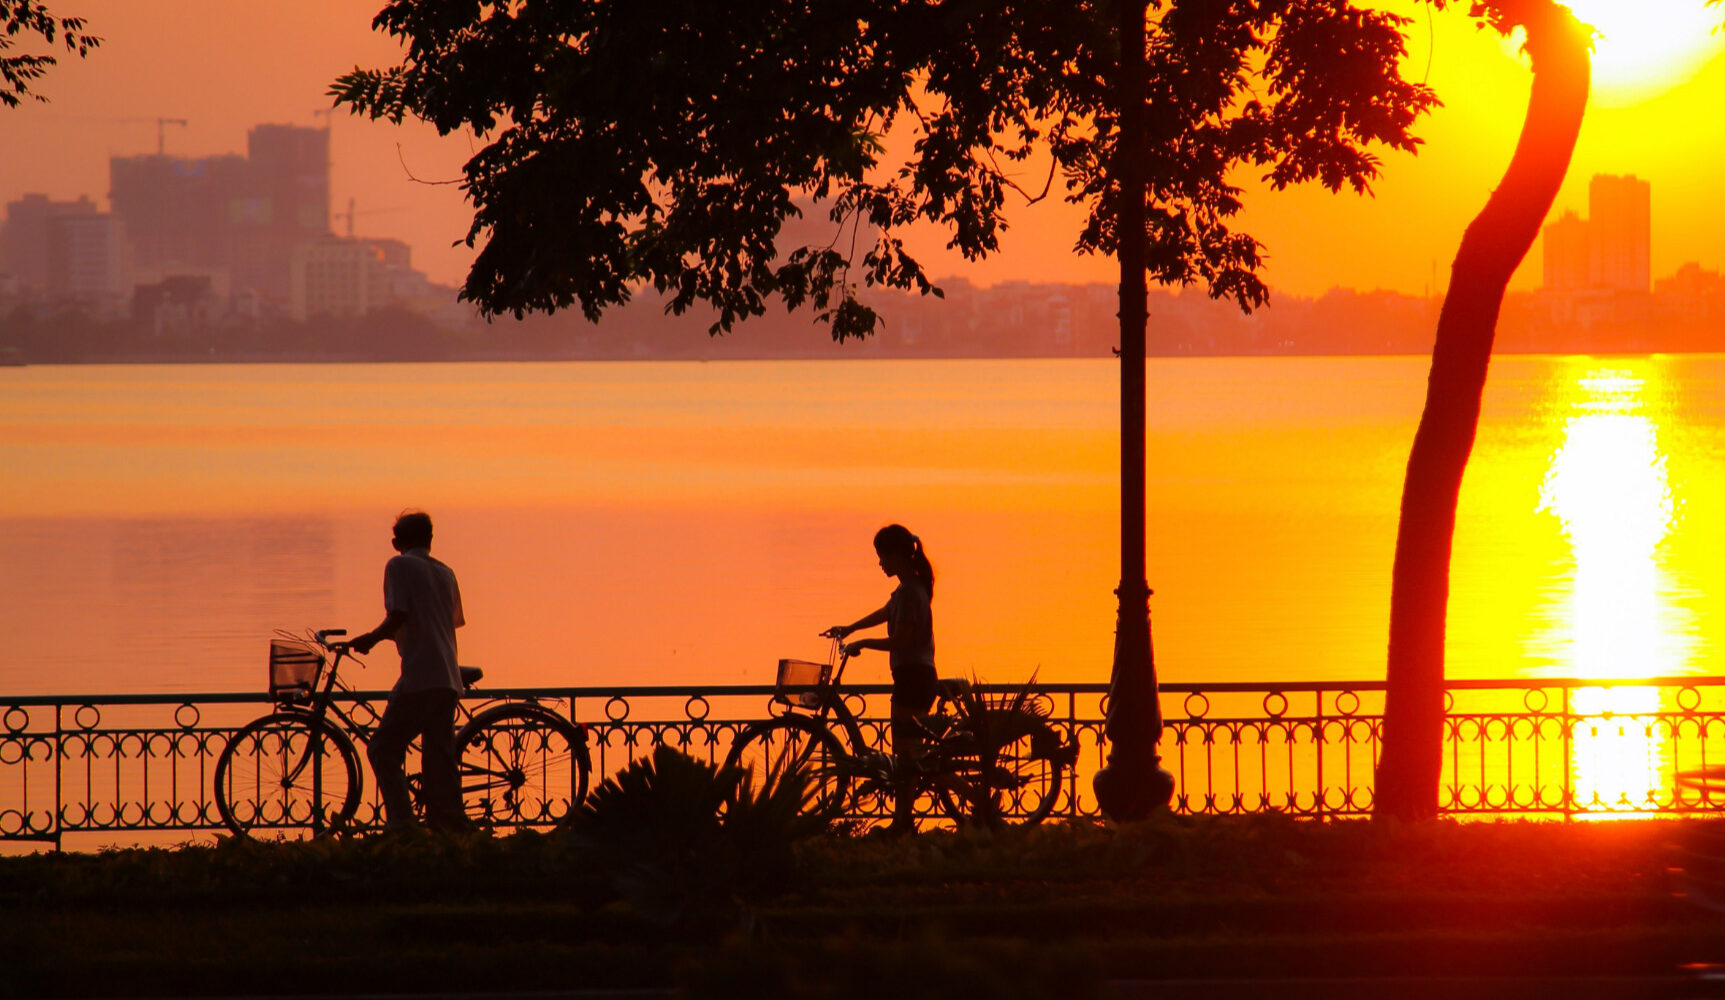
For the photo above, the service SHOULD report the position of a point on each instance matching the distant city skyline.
(195, 241)
(224, 67)
(1612, 248)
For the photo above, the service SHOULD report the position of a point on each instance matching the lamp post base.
(1132, 786)
(1133, 783)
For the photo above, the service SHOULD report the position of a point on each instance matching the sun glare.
(1608, 485)
(1646, 47)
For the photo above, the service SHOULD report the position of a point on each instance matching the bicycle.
(298, 768)
(982, 758)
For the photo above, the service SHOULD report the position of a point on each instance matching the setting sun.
(1647, 47)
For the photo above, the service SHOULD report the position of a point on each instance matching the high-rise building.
(86, 258)
(1619, 211)
(24, 238)
(175, 210)
(336, 277)
(242, 213)
(1611, 250)
(1568, 253)
(290, 172)
(290, 182)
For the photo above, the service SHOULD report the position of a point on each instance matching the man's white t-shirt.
(424, 590)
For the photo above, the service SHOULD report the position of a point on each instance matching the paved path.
(1671, 987)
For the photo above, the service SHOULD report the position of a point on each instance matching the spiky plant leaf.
(656, 806)
(685, 842)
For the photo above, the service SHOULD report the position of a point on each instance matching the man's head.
(412, 530)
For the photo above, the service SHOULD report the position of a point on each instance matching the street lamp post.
(1133, 782)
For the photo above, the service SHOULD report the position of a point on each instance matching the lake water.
(665, 523)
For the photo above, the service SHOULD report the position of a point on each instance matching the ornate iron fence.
(131, 769)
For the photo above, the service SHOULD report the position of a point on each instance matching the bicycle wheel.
(522, 765)
(775, 747)
(1019, 781)
(288, 773)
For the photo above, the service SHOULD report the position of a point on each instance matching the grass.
(1054, 910)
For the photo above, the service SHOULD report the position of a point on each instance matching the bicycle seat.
(952, 687)
(470, 676)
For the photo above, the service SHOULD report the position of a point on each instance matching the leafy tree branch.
(26, 20)
(668, 143)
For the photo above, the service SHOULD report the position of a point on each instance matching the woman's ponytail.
(920, 565)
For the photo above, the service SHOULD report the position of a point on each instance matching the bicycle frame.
(832, 699)
(321, 703)
(974, 753)
(510, 751)
(952, 775)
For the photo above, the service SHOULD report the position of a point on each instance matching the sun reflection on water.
(1608, 485)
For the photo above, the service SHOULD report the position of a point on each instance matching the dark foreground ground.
(1060, 911)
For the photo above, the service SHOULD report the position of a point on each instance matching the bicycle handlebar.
(323, 635)
(840, 653)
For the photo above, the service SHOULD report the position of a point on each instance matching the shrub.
(687, 844)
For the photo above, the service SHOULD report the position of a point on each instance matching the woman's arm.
(853, 648)
(869, 620)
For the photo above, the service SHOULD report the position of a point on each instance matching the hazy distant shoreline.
(498, 358)
(1016, 321)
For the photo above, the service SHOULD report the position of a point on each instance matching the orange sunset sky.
(224, 66)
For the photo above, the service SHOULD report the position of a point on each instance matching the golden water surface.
(664, 523)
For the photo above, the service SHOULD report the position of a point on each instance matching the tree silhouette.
(1491, 249)
(26, 18)
(666, 143)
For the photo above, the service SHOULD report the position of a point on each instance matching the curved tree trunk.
(1491, 249)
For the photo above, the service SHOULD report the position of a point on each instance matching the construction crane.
(161, 128)
(350, 213)
(162, 133)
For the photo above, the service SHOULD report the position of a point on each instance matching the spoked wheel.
(1018, 781)
(287, 774)
(522, 765)
(769, 749)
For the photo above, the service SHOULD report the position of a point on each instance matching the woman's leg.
(913, 695)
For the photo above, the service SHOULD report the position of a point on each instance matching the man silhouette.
(422, 610)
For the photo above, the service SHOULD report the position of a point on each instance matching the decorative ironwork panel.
(140, 769)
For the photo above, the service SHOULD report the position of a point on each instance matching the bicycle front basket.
(800, 682)
(294, 669)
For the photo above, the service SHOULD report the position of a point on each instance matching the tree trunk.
(1132, 784)
(1491, 249)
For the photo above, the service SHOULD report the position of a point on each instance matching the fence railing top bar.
(747, 690)
(1458, 684)
(237, 697)
(200, 698)
(1572, 683)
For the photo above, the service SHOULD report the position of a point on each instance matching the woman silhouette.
(909, 645)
